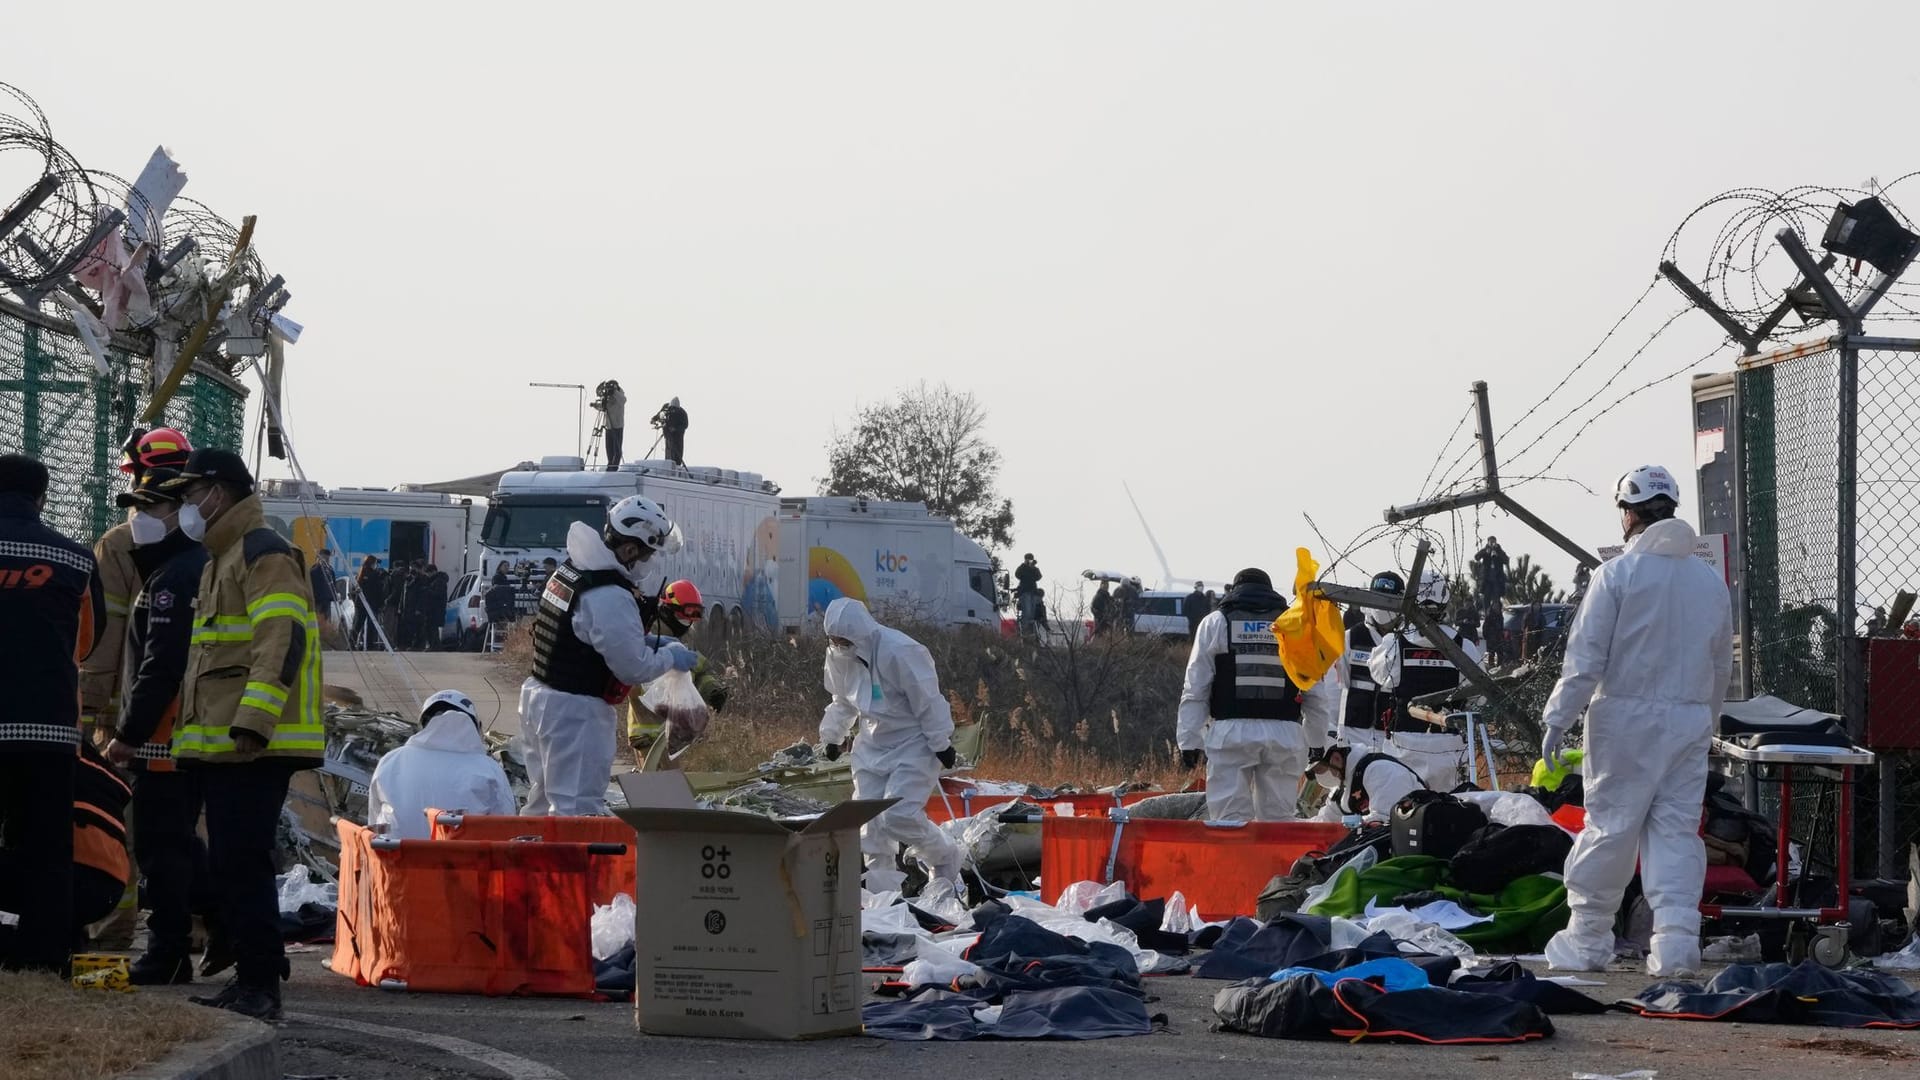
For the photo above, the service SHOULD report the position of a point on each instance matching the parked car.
(1530, 633)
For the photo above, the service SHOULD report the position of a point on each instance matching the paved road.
(400, 681)
(339, 1030)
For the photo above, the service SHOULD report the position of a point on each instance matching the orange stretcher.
(1221, 867)
(968, 802)
(464, 916)
(607, 876)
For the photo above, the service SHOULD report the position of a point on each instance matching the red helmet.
(682, 601)
(161, 448)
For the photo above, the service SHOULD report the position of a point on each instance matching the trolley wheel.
(1830, 946)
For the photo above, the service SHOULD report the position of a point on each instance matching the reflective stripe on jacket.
(253, 662)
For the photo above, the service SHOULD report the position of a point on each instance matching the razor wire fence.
(1830, 433)
(57, 405)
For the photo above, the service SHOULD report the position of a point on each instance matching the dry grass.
(1120, 693)
(50, 1031)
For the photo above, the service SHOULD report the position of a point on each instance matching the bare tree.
(927, 445)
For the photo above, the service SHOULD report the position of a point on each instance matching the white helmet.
(1645, 483)
(448, 700)
(1434, 591)
(637, 517)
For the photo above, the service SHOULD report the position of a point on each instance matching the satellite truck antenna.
(1167, 581)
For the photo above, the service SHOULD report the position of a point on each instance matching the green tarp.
(1525, 913)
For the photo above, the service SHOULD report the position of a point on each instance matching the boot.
(161, 969)
(255, 1002)
(219, 1000)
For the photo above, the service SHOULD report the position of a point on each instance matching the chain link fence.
(56, 405)
(1797, 638)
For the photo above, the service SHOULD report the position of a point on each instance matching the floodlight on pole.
(579, 412)
(1868, 231)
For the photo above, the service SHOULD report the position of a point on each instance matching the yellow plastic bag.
(1312, 637)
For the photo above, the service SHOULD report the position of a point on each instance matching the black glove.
(1189, 759)
(947, 757)
(831, 751)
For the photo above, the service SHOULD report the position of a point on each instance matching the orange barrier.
(1221, 868)
(607, 876)
(1091, 804)
(464, 917)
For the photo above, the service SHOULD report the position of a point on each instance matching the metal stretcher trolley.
(1776, 742)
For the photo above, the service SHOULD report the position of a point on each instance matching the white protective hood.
(444, 766)
(587, 551)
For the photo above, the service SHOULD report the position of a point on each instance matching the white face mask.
(192, 521)
(1327, 780)
(147, 529)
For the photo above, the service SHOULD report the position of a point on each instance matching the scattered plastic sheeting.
(1303, 1007)
(1907, 959)
(941, 900)
(1416, 935)
(938, 966)
(1365, 860)
(297, 889)
(1083, 896)
(613, 926)
(1509, 807)
(1444, 914)
(1180, 918)
(1637, 1074)
(1733, 950)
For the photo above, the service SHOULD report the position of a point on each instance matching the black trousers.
(616, 440)
(676, 447)
(172, 857)
(36, 855)
(243, 816)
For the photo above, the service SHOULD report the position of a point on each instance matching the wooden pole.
(198, 339)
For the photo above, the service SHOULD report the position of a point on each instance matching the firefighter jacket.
(254, 660)
(119, 584)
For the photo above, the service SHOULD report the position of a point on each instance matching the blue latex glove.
(682, 658)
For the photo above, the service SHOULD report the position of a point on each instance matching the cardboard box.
(748, 928)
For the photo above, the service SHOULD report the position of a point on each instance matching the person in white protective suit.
(884, 685)
(1369, 783)
(1365, 714)
(1405, 666)
(444, 766)
(1648, 659)
(1238, 705)
(589, 649)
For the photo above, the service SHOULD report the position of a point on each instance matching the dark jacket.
(51, 606)
(433, 596)
(321, 577)
(1028, 575)
(673, 419)
(159, 631)
(1196, 606)
(373, 588)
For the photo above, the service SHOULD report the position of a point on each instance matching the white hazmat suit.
(444, 766)
(570, 740)
(1652, 649)
(1386, 780)
(1253, 766)
(1439, 757)
(887, 687)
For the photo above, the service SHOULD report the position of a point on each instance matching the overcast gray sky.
(1245, 257)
